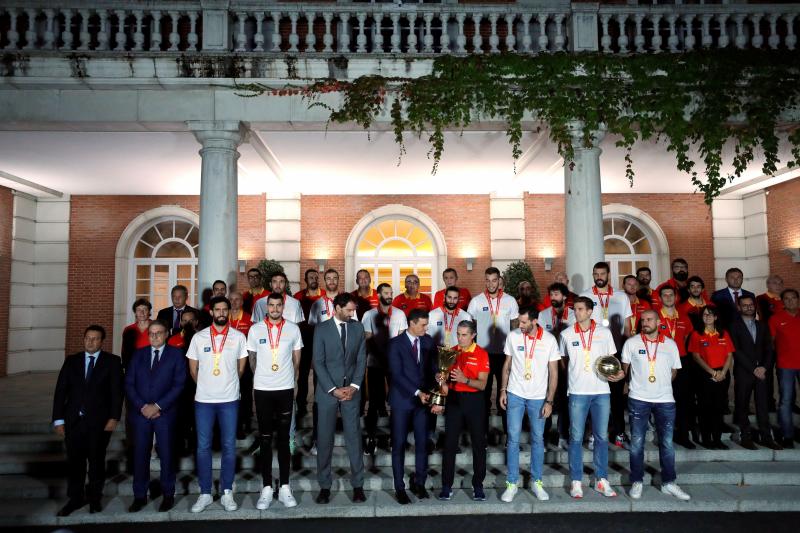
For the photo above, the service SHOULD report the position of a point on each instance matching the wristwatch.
(549, 401)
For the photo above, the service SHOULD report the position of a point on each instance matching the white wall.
(38, 303)
(506, 229)
(282, 239)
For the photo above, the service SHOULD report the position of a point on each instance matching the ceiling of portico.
(313, 162)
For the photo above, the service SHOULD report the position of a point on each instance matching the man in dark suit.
(153, 384)
(727, 299)
(412, 366)
(340, 359)
(87, 406)
(172, 315)
(752, 359)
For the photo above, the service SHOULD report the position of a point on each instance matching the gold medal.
(216, 372)
(651, 379)
(528, 376)
(275, 367)
(218, 353)
(274, 344)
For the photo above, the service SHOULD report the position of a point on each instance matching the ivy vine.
(698, 100)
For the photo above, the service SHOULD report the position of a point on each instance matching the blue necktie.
(155, 362)
(90, 368)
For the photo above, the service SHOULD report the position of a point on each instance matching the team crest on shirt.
(485, 308)
(548, 326)
(262, 341)
(705, 344)
(324, 312)
(438, 322)
(207, 348)
(576, 343)
(520, 348)
(643, 352)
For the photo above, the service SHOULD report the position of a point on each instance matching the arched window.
(627, 247)
(392, 248)
(164, 255)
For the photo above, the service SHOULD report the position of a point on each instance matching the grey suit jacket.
(333, 366)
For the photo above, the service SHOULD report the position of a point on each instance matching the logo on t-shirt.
(324, 312)
(705, 344)
(207, 348)
(548, 326)
(520, 348)
(643, 352)
(438, 322)
(485, 308)
(576, 343)
(262, 341)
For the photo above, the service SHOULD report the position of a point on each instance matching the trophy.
(445, 359)
(606, 366)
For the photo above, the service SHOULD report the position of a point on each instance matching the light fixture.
(321, 264)
(470, 263)
(794, 253)
(242, 266)
(548, 264)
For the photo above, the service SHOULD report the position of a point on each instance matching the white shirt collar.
(411, 337)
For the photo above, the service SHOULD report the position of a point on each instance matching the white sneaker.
(674, 490)
(577, 490)
(202, 502)
(285, 496)
(539, 492)
(563, 444)
(591, 442)
(265, 499)
(227, 501)
(604, 487)
(636, 490)
(510, 492)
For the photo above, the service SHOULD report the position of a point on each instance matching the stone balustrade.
(426, 29)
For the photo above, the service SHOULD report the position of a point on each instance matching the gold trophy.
(445, 359)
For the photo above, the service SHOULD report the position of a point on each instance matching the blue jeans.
(580, 405)
(226, 414)
(664, 414)
(515, 412)
(787, 377)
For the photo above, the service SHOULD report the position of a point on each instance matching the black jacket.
(748, 354)
(100, 397)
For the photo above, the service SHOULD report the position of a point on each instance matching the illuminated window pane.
(365, 248)
(143, 286)
(616, 246)
(607, 230)
(185, 271)
(143, 272)
(387, 228)
(642, 247)
(404, 227)
(173, 249)
(182, 229)
(384, 274)
(417, 236)
(151, 237)
(395, 248)
(373, 235)
(425, 249)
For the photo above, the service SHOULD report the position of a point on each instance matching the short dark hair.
(309, 271)
(452, 289)
(158, 323)
(732, 270)
(666, 288)
(558, 287)
(416, 314)
(629, 276)
(380, 287)
(473, 328)
(747, 297)
(365, 271)
(603, 265)
(142, 301)
(585, 300)
(257, 271)
(680, 260)
(695, 279)
(530, 310)
(97, 328)
(784, 292)
(329, 271)
(342, 299)
(218, 299)
(491, 270)
(191, 311)
(446, 270)
(179, 288)
(219, 281)
(274, 296)
(642, 269)
(278, 274)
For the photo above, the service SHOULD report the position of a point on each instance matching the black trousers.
(745, 386)
(713, 400)
(306, 358)
(464, 408)
(376, 390)
(683, 389)
(245, 422)
(619, 401)
(274, 412)
(496, 362)
(85, 446)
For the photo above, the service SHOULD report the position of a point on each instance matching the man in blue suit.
(727, 299)
(412, 368)
(153, 383)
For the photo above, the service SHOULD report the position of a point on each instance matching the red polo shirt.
(406, 304)
(472, 362)
(177, 340)
(636, 312)
(463, 298)
(785, 329)
(242, 324)
(713, 348)
(142, 337)
(677, 328)
(768, 305)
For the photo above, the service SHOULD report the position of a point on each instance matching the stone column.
(584, 209)
(218, 254)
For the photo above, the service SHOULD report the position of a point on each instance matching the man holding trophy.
(412, 366)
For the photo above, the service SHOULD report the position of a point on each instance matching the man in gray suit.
(340, 359)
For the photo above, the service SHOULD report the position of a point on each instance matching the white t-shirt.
(548, 321)
(582, 378)
(492, 331)
(396, 323)
(321, 310)
(223, 387)
(667, 357)
(265, 377)
(544, 351)
(437, 322)
(292, 311)
(619, 309)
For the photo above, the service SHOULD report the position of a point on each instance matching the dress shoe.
(324, 496)
(166, 504)
(747, 444)
(70, 507)
(771, 444)
(719, 446)
(685, 442)
(402, 497)
(358, 495)
(95, 506)
(137, 505)
(787, 444)
(421, 492)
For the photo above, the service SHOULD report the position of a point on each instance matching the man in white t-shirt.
(380, 324)
(292, 310)
(530, 378)
(612, 309)
(274, 346)
(583, 344)
(444, 320)
(217, 357)
(652, 361)
(495, 314)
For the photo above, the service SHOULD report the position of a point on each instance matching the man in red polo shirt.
(697, 300)
(450, 278)
(256, 292)
(412, 298)
(631, 287)
(785, 328)
(366, 297)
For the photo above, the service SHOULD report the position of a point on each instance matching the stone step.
(690, 474)
(716, 498)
